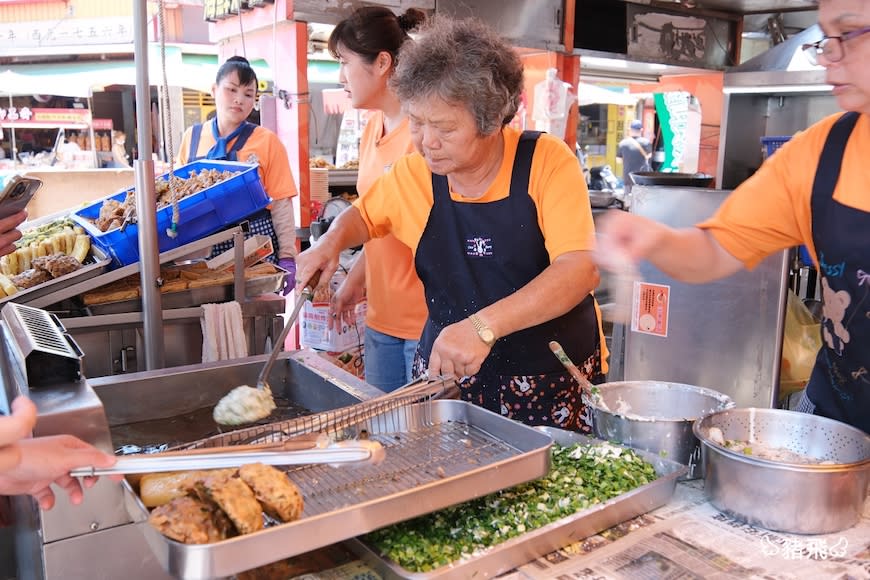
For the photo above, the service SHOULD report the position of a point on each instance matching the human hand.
(288, 264)
(9, 232)
(48, 460)
(17, 426)
(319, 260)
(342, 306)
(625, 237)
(458, 351)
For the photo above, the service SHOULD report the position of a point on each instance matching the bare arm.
(348, 230)
(567, 281)
(43, 461)
(686, 254)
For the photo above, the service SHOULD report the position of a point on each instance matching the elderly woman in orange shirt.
(499, 224)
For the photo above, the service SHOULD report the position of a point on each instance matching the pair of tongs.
(283, 453)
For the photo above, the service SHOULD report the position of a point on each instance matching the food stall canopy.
(588, 94)
(80, 79)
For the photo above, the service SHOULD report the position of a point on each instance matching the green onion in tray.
(580, 476)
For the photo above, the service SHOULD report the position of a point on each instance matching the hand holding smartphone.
(17, 193)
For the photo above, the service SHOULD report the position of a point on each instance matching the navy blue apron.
(474, 254)
(258, 223)
(839, 386)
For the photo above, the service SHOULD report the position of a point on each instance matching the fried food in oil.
(237, 500)
(191, 521)
(279, 496)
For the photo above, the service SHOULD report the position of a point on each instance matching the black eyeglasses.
(831, 47)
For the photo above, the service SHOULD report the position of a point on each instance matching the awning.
(80, 79)
(588, 94)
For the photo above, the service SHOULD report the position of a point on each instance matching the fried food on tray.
(30, 278)
(56, 264)
(156, 489)
(279, 496)
(175, 280)
(191, 521)
(112, 211)
(235, 498)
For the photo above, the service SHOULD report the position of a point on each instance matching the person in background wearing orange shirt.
(500, 226)
(813, 192)
(367, 45)
(229, 136)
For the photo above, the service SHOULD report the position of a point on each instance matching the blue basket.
(771, 144)
(201, 214)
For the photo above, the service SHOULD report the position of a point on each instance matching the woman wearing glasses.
(814, 192)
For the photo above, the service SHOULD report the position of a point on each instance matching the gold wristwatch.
(483, 331)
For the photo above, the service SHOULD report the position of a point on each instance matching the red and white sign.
(37, 118)
(650, 313)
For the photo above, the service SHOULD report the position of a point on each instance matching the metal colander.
(808, 435)
(818, 498)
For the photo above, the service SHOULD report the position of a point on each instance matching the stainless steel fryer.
(72, 541)
(438, 453)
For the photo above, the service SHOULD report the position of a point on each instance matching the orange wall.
(707, 88)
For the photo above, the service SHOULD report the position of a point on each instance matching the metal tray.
(438, 453)
(522, 549)
(96, 263)
(196, 296)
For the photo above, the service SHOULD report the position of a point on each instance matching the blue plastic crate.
(204, 213)
(771, 144)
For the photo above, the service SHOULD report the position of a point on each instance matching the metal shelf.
(109, 277)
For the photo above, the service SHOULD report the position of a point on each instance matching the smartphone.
(17, 193)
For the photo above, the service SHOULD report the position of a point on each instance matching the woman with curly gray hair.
(500, 226)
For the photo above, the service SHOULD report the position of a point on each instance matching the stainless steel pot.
(787, 497)
(656, 416)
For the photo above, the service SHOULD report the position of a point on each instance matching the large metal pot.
(787, 497)
(655, 416)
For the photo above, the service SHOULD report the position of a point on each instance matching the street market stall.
(437, 452)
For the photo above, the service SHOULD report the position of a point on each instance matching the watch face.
(487, 336)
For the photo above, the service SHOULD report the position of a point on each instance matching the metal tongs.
(224, 457)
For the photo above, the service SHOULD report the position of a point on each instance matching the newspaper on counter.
(689, 538)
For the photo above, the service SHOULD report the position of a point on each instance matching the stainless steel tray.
(522, 549)
(196, 296)
(97, 263)
(438, 453)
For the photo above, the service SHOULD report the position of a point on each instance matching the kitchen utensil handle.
(299, 443)
(569, 364)
(306, 294)
(156, 463)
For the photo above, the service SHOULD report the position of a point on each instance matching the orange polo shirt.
(396, 303)
(771, 211)
(263, 147)
(401, 200)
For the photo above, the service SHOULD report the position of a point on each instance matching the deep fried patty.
(236, 499)
(279, 496)
(191, 521)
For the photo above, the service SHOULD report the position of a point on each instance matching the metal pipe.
(14, 146)
(152, 303)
